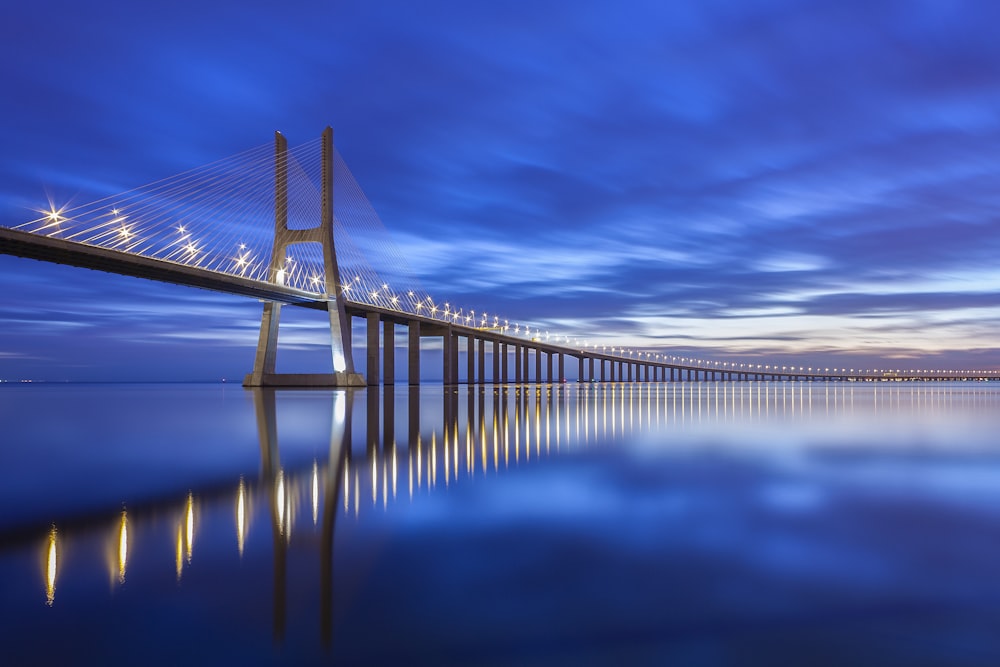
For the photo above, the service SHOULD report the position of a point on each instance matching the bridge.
(269, 224)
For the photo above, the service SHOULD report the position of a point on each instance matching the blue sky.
(814, 182)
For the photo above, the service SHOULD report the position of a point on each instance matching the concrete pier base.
(305, 380)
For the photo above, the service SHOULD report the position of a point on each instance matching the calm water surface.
(680, 524)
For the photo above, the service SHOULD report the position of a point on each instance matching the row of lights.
(383, 296)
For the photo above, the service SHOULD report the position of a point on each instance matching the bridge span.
(201, 231)
(492, 357)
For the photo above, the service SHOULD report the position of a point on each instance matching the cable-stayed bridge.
(291, 226)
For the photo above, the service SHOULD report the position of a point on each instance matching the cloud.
(659, 173)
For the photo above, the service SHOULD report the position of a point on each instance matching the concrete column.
(482, 361)
(562, 368)
(603, 375)
(389, 352)
(592, 376)
(446, 345)
(538, 364)
(524, 370)
(413, 361)
(496, 361)
(504, 363)
(517, 364)
(454, 358)
(629, 364)
(372, 351)
(470, 371)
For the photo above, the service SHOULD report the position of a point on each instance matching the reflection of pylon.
(340, 330)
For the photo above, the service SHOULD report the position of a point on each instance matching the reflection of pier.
(415, 441)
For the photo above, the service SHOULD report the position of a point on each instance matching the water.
(681, 524)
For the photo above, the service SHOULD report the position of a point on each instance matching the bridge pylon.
(264, 374)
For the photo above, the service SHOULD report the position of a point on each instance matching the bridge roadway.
(549, 358)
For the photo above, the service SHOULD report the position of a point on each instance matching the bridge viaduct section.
(494, 358)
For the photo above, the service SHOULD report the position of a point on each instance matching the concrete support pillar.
(413, 357)
(517, 364)
(526, 352)
(482, 361)
(388, 352)
(447, 343)
(591, 376)
(538, 365)
(629, 364)
(562, 368)
(603, 375)
(470, 370)
(496, 360)
(454, 358)
(504, 363)
(372, 351)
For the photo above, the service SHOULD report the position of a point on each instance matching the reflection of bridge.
(212, 228)
(469, 437)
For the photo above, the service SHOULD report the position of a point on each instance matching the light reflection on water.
(695, 523)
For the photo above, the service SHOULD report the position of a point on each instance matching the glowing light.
(179, 552)
(279, 500)
(122, 547)
(315, 492)
(189, 526)
(241, 516)
(50, 568)
(347, 489)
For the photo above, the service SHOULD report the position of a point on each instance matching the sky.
(816, 182)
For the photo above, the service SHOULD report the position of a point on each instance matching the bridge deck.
(61, 251)
(70, 253)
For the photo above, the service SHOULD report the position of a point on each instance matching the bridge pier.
(470, 371)
(371, 351)
(413, 361)
(482, 360)
(389, 352)
(264, 373)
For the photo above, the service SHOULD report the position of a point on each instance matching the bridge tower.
(264, 374)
